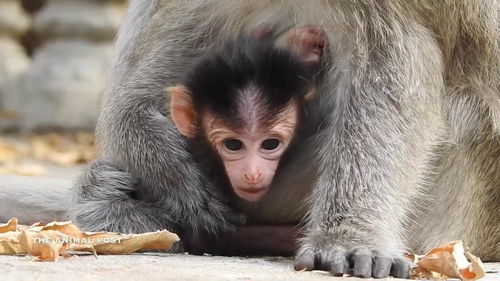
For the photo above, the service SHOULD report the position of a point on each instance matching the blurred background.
(55, 57)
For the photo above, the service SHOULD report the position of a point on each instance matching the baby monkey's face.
(251, 154)
(246, 100)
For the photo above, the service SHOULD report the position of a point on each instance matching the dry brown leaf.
(65, 227)
(66, 158)
(63, 149)
(82, 248)
(60, 148)
(9, 238)
(11, 225)
(110, 243)
(439, 262)
(51, 241)
(122, 244)
(46, 245)
(10, 243)
(8, 152)
(448, 260)
(475, 269)
(22, 170)
(9, 114)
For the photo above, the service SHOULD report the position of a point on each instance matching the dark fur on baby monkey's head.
(246, 101)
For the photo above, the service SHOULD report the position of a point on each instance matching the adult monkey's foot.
(357, 260)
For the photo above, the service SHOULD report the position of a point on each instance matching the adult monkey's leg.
(466, 188)
(384, 93)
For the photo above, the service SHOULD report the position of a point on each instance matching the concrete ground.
(161, 266)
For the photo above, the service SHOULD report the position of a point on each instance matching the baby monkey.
(241, 106)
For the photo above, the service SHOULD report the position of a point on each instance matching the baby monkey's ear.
(182, 110)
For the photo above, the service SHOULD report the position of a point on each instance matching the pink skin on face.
(251, 156)
(251, 168)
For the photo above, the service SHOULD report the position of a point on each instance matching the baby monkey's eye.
(233, 144)
(270, 144)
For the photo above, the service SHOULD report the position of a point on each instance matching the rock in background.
(71, 42)
(14, 61)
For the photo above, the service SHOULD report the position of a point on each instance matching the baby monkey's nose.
(252, 178)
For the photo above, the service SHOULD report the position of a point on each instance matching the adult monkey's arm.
(146, 179)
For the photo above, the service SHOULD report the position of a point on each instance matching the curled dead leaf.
(11, 225)
(120, 244)
(51, 241)
(44, 245)
(63, 149)
(65, 227)
(9, 114)
(10, 243)
(8, 152)
(448, 261)
(22, 170)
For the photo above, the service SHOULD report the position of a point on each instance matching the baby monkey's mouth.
(254, 190)
(251, 194)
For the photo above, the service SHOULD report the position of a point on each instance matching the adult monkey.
(409, 112)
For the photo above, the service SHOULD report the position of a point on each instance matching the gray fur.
(32, 200)
(405, 142)
(408, 112)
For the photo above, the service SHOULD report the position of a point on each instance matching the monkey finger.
(361, 259)
(304, 41)
(323, 260)
(305, 260)
(316, 41)
(309, 46)
(311, 29)
(339, 265)
(381, 265)
(315, 29)
(311, 34)
(401, 268)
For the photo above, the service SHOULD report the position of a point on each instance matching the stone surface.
(13, 20)
(93, 20)
(160, 266)
(13, 60)
(63, 86)
(13, 64)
